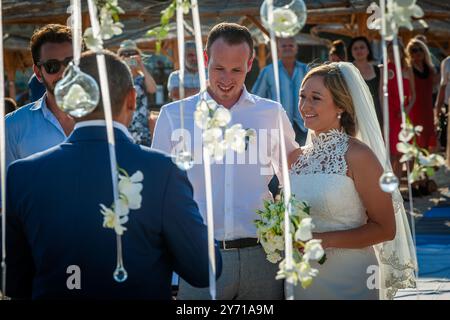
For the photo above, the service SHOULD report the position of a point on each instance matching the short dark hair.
(353, 41)
(10, 105)
(54, 33)
(231, 33)
(120, 80)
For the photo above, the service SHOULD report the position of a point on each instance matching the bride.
(364, 231)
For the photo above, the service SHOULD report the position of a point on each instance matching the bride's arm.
(365, 170)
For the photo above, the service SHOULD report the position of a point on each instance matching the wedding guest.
(41, 124)
(291, 76)
(360, 54)
(418, 57)
(442, 101)
(191, 78)
(144, 84)
(395, 116)
(10, 105)
(57, 245)
(337, 52)
(362, 229)
(238, 188)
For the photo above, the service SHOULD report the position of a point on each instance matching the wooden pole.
(262, 57)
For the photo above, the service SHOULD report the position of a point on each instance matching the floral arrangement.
(110, 26)
(217, 138)
(161, 31)
(270, 232)
(398, 15)
(129, 199)
(424, 162)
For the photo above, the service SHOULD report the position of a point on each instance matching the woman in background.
(360, 54)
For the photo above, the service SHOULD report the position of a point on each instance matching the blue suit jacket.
(54, 221)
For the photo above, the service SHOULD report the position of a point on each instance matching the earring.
(339, 116)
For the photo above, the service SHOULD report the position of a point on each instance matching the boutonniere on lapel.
(217, 137)
(130, 198)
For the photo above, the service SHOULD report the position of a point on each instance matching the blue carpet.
(434, 261)
(438, 212)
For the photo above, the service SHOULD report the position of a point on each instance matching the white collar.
(245, 96)
(102, 123)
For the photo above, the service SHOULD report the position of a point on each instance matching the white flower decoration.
(75, 96)
(130, 188)
(313, 250)
(130, 198)
(303, 232)
(284, 19)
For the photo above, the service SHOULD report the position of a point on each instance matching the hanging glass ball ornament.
(120, 274)
(289, 17)
(184, 160)
(77, 93)
(388, 182)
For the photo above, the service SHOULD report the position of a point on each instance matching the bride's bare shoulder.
(360, 156)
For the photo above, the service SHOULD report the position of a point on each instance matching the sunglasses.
(53, 66)
(127, 54)
(416, 50)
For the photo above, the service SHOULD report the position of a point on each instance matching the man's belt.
(238, 243)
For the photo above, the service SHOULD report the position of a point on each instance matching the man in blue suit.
(54, 223)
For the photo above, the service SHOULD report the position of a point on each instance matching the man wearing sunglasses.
(41, 125)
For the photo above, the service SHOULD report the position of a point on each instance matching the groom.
(56, 245)
(239, 185)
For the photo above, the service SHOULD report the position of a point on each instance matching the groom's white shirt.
(240, 181)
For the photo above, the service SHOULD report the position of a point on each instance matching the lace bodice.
(326, 154)
(319, 176)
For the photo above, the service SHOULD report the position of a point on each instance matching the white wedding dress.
(319, 177)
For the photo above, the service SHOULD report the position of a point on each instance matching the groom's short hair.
(120, 79)
(232, 34)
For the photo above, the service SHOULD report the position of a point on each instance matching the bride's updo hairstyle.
(334, 81)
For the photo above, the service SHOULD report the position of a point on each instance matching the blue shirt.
(31, 129)
(36, 88)
(289, 89)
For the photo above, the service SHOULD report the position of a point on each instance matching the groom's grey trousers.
(246, 275)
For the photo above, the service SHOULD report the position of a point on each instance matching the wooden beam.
(258, 24)
(262, 57)
(176, 56)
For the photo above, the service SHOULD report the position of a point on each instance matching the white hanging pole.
(289, 285)
(120, 273)
(398, 71)
(385, 83)
(76, 30)
(206, 159)
(2, 155)
(181, 55)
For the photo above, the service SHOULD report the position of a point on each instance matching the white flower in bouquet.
(306, 274)
(304, 231)
(313, 250)
(270, 232)
(274, 257)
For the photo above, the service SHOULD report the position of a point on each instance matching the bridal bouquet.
(270, 232)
